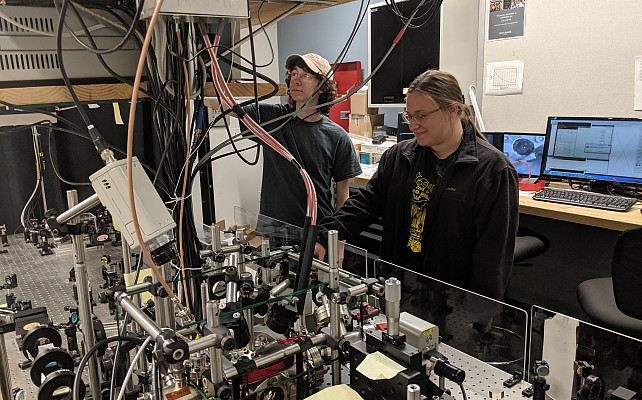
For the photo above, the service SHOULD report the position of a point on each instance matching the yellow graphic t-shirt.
(421, 192)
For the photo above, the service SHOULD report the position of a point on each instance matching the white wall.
(460, 39)
(578, 61)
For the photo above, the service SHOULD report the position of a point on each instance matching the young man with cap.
(322, 147)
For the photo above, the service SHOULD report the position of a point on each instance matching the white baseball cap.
(315, 62)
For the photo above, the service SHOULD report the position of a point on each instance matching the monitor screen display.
(524, 150)
(594, 149)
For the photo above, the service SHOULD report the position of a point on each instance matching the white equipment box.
(110, 184)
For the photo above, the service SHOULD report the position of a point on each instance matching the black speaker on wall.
(417, 51)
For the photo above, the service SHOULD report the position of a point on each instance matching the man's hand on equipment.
(319, 251)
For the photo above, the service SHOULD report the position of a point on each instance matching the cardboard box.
(359, 104)
(363, 124)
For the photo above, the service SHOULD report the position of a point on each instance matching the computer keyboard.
(585, 199)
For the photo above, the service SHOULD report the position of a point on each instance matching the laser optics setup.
(251, 314)
(256, 340)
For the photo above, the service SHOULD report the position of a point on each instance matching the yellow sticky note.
(377, 366)
(129, 280)
(343, 392)
(117, 117)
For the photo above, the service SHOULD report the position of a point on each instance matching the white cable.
(160, 42)
(99, 17)
(26, 28)
(38, 178)
(186, 268)
(22, 215)
(473, 101)
(130, 371)
(177, 199)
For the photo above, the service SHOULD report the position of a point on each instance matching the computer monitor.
(595, 150)
(521, 148)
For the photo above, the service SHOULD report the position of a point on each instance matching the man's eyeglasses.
(418, 116)
(305, 75)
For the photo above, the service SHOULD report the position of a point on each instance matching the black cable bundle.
(172, 170)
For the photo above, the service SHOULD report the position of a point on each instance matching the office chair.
(529, 244)
(616, 302)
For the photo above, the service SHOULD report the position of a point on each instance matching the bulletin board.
(579, 60)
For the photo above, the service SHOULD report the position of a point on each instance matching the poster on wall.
(506, 19)
(504, 77)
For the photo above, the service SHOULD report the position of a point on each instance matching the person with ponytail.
(448, 199)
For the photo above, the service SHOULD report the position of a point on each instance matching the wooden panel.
(269, 11)
(106, 92)
(60, 94)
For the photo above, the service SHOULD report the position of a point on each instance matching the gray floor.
(45, 281)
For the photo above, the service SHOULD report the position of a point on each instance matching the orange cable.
(130, 150)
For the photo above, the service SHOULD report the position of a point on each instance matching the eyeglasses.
(305, 75)
(418, 117)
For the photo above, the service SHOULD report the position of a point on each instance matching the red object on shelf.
(524, 184)
(348, 75)
(532, 187)
(340, 114)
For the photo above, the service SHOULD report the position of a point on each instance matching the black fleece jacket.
(471, 221)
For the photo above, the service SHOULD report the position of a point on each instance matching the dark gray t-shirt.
(322, 148)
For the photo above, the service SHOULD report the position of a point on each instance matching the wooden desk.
(360, 180)
(614, 220)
